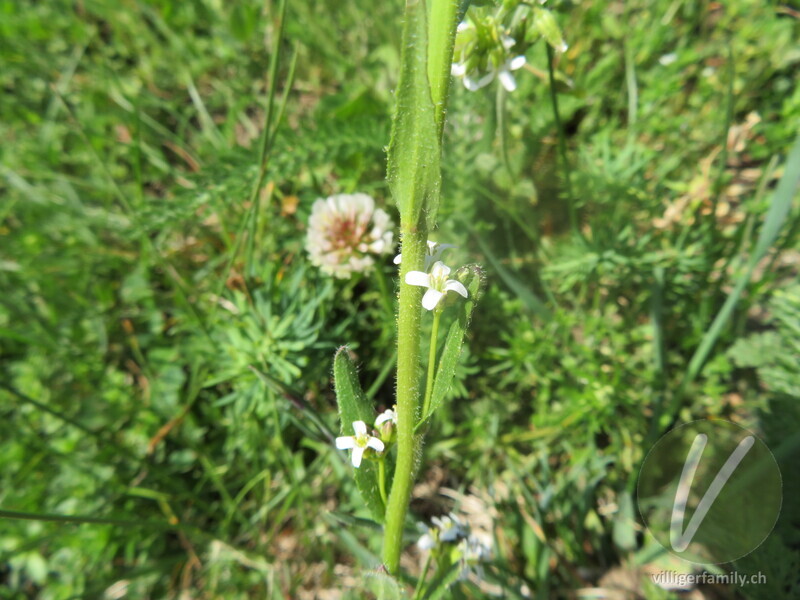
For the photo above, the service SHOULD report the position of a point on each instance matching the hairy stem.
(426, 405)
(408, 323)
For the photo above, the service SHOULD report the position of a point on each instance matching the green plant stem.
(437, 314)
(382, 479)
(421, 581)
(562, 143)
(408, 324)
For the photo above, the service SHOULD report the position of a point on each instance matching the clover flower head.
(437, 283)
(433, 253)
(345, 232)
(359, 443)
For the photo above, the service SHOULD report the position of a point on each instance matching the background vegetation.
(166, 346)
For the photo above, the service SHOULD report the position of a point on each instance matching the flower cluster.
(345, 232)
(483, 51)
(451, 540)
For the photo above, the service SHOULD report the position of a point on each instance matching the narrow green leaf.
(442, 582)
(414, 152)
(473, 278)
(354, 406)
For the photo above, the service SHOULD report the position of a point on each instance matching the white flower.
(345, 231)
(504, 72)
(434, 253)
(450, 528)
(473, 553)
(387, 415)
(437, 283)
(483, 57)
(359, 442)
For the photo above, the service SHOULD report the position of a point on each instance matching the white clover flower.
(359, 442)
(437, 283)
(345, 231)
(387, 415)
(473, 552)
(433, 253)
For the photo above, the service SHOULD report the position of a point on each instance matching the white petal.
(397, 259)
(439, 270)
(375, 444)
(455, 286)
(516, 63)
(418, 278)
(486, 79)
(387, 415)
(431, 299)
(471, 84)
(358, 454)
(507, 41)
(458, 69)
(360, 427)
(432, 246)
(507, 79)
(426, 542)
(345, 443)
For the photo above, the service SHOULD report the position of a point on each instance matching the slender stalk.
(421, 581)
(562, 142)
(382, 479)
(438, 36)
(437, 314)
(408, 324)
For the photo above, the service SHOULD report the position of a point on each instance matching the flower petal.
(387, 415)
(507, 79)
(418, 278)
(345, 443)
(516, 63)
(439, 270)
(455, 286)
(358, 454)
(360, 427)
(375, 444)
(397, 259)
(426, 542)
(458, 69)
(431, 299)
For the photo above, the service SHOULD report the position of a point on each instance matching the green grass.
(166, 347)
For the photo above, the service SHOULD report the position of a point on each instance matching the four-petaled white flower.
(345, 232)
(387, 415)
(359, 442)
(437, 283)
(433, 254)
